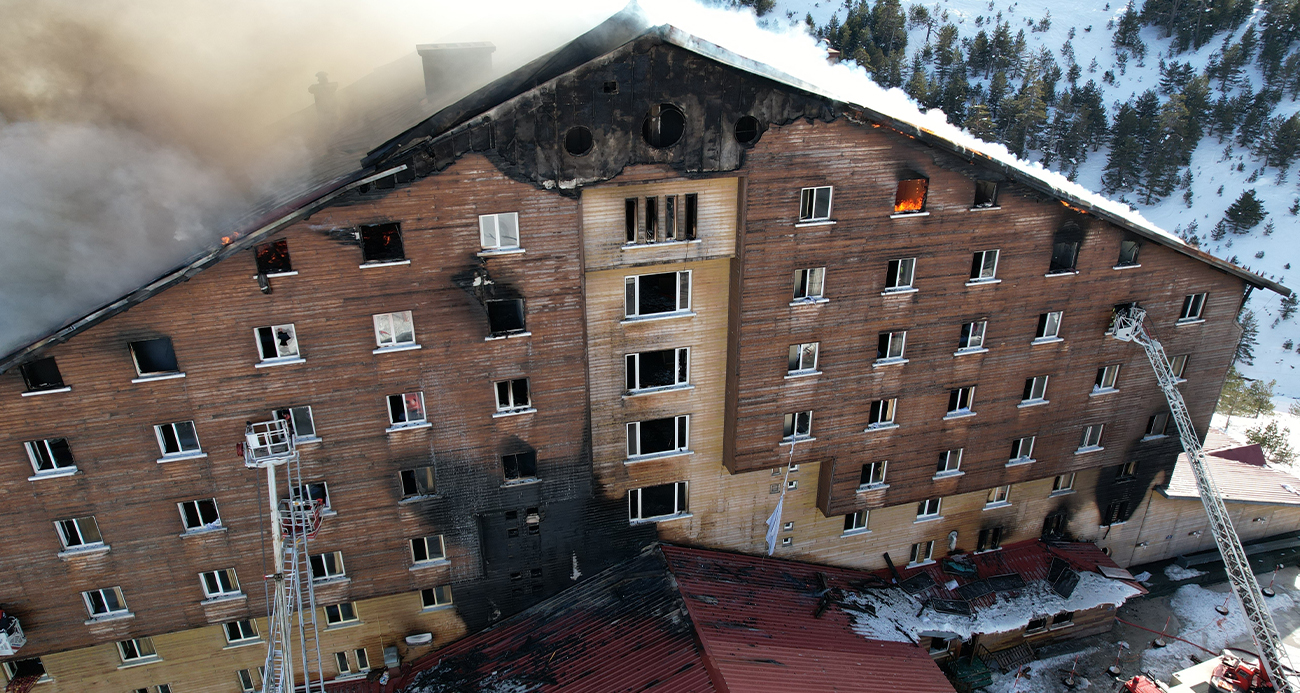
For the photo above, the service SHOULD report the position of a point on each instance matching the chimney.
(455, 67)
(326, 104)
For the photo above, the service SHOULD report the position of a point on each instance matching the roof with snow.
(679, 619)
(770, 56)
(1242, 476)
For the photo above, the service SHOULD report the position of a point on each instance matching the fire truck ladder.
(294, 522)
(1129, 327)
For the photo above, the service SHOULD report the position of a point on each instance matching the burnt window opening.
(610, 87)
(986, 194)
(654, 502)
(658, 436)
(381, 242)
(520, 466)
(1065, 618)
(1116, 513)
(418, 482)
(516, 577)
(748, 130)
(989, 539)
(910, 196)
(670, 218)
(42, 374)
(512, 515)
(655, 294)
(1065, 249)
(512, 395)
(1128, 253)
(651, 219)
(1127, 471)
(535, 573)
(505, 316)
(655, 369)
(1054, 526)
(387, 182)
(663, 125)
(630, 219)
(23, 668)
(154, 357)
(692, 216)
(273, 258)
(578, 140)
(1036, 625)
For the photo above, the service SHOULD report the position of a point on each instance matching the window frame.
(136, 645)
(331, 569)
(1086, 442)
(393, 343)
(224, 588)
(521, 331)
(883, 413)
(632, 370)
(681, 503)
(181, 452)
(1063, 483)
(968, 335)
(407, 421)
(1127, 471)
(1161, 417)
(984, 199)
(998, 497)
(387, 258)
(875, 474)
(1035, 391)
(1126, 258)
(1020, 454)
(898, 209)
(791, 429)
(797, 355)
(891, 355)
(1181, 362)
(520, 469)
(857, 522)
(804, 281)
(980, 273)
(339, 619)
(429, 558)
(1193, 309)
(1107, 376)
(415, 476)
(61, 528)
(432, 597)
(1055, 267)
(275, 249)
(961, 402)
(1046, 325)
(946, 468)
(33, 384)
(924, 511)
(35, 448)
(505, 398)
(917, 551)
(989, 539)
(808, 204)
(632, 296)
(122, 610)
(681, 438)
(498, 243)
(155, 375)
(295, 417)
(272, 332)
(198, 513)
(243, 626)
(894, 270)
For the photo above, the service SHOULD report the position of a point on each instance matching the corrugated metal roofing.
(1238, 481)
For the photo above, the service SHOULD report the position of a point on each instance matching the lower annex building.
(635, 290)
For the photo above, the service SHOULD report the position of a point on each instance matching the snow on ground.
(1177, 573)
(1239, 425)
(1045, 675)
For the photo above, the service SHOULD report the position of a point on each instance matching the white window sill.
(657, 456)
(105, 618)
(1020, 460)
(508, 335)
(33, 393)
(216, 529)
(1189, 321)
(982, 282)
(809, 301)
(1103, 391)
(948, 475)
(223, 598)
(160, 376)
(655, 390)
(243, 643)
(351, 676)
(83, 550)
(408, 426)
(416, 499)
(814, 222)
(922, 564)
(514, 412)
(332, 580)
(273, 275)
(55, 474)
(985, 209)
(796, 440)
(998, 504)
(1059, 626)
(424, 565)
(1046, 340)
(661, 518)
(1060, 492)
(1026, 403)
(439, 607)
(396, 347)
(510, 483)
(872, 487)
(657, 316)
(898, 290)
(905, 215)
(287, 361)
(494, 252)
(343, 625)
(928, 518)
(142, 661)
(880, 427)
(855, 532)
(1124, 267)
(179, 456)
(1162, 436)
(661, 244)
(795, 375)
(309, 440)
(1090, 448)
(386, 263)
(959, 414)
(970, 350)
(895, 361)
(1062, 273)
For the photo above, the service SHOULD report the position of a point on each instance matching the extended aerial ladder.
(1129, 327)
(295, 520)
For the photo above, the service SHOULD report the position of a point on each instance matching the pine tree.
(1249, 338)
(1273, 441)
(1127, 37)
(1284, 145)
(1288, 307)
(979, 122)
(1245, 213)
(918, 84)
(1233, 395)
(1124, 167)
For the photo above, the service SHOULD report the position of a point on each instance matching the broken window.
(809, 283)
(50, 456)
(960, 399)
(104, 602)
(1178, 364)
(154, 357)
(663, 125)
(1127, 471)
(1128, 253)
(657, 294)
(670, 218)
(989, 539)
(747, 129)
(972, 336)
(984, 266)
(928, 508)
(136, 649)
(42, 374)
(658, 436)
(657, 502)
(250, 680)
(428, 549)
(435, 597)
(1035, 390)
(1022, 450)
(381, 243)
(910, 196)
(1049, 326)
(949, 462)
(578, 140)
(1157, 425)
(394, 330)
(798, 426)
(1063, 482)
(1065, 618)
(998, 495)
(273, 258)
(1091, 439)
(803, 358)
(1065, 256)
(873, 475)
(651, 220)
(882, 413)
(1036, 625)
(406, 409)
(276, 342)
(1192, 308)
(240, 631)
(690, 223)
(199, 514)
(889, 346)
(922, 552)
(300, 422)
(313, 493)
(178, 438)
(1106, 376)
(505, 316)
(898, 274)
(336, 614)
(79, 532)
(1116, 513)
(815, 204)
(219, 583)
(418, 482)
(986, 194)
(520, 466)
(649, 370)
(512, 395)
(1054, 526)
(327, 566)
(856, 522)
(630, 220)
(22, 668)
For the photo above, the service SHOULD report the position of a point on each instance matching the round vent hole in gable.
(747, 130)
(577, 141)
(663, 126)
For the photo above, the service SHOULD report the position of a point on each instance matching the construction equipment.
(11, 634)
(295, 520)
(1128, 327)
